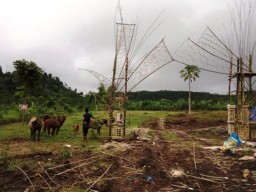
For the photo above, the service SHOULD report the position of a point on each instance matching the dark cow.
(35, 125)
(53, 124)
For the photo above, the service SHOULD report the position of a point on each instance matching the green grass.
(137, 118)
(15, 130)
(21, 133)
(66, 135)
(170, 136)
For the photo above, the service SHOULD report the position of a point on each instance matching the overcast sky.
(61, 36)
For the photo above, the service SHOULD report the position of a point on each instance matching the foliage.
(175, 100)
(43, 93)
(190, 72)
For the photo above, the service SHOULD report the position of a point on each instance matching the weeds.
(4, 153)
(170, 136)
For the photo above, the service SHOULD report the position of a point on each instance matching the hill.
(42, 92)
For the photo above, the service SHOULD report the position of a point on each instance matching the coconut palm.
(190, 72)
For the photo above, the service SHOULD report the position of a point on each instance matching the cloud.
(64, 35)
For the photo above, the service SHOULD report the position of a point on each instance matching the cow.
(35, 125)
(53, 124)
(98, 124)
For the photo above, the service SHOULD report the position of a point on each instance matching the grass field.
(20, 132)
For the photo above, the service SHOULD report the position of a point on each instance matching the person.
(86, 122)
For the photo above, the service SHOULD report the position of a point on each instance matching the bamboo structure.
(234, 59)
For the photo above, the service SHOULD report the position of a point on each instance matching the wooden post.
(125, 93)
(230, 77)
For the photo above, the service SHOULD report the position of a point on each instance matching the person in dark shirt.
(86, 123)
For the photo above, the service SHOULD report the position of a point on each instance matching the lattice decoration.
(124, 43)
(102, 79)
(158, 57)
(208, 54)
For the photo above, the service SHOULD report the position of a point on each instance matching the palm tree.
(190, 72)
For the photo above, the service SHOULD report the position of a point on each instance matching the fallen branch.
(205, 179)
(194, 154)
(98, 179)
(39, 163)
(214, 176)
(26, 176)
(74, 168)
(128, 168)
(132, 172)
(107, 179)
(70, 163)
(182, 187)
(45, 181)
(169, 189)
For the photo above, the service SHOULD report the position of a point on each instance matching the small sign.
(24, 107)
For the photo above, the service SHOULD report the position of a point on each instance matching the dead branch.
(98, 179)
(132, 172)
(71, 163)
(169, 189)
(39, 163)
(45, 181)
(194, 154)
(223, 178)
(190, 188)
(183, 186)
(75, 167)
(107, 179)
(205, 179)
(26, 176)
(128, 168)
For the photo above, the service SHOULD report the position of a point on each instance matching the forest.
(47, 94)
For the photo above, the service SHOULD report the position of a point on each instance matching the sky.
(61, 36)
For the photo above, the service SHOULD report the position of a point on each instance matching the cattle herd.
(49, 124)
(52, 125)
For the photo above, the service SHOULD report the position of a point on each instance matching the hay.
(116, 146)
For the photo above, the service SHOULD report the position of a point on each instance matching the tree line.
(46, 94)
(176, 100)
(162, 100)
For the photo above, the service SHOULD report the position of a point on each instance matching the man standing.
(86, 123)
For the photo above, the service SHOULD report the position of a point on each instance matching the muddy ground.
(170, 158)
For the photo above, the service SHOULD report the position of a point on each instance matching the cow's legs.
(38, 136)
(32, 135)
(98, 130)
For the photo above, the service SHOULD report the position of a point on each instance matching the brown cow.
(35, 125)
(54, 124)
(97, 124)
